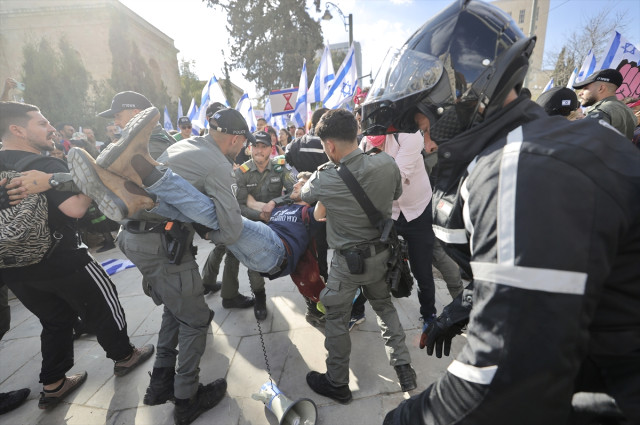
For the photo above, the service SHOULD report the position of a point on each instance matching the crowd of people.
(536, 203)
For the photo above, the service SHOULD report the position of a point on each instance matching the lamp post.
(348, 22)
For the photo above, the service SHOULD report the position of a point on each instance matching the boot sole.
(87, 180)
(137, 123)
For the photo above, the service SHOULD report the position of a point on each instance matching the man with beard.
(598, 91)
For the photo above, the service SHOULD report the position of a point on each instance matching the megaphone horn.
(288, 412)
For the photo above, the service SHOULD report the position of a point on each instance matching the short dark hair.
(14, 113)
(262, 119)
(317, 114)
(339, 125)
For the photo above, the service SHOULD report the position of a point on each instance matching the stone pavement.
(233, 351)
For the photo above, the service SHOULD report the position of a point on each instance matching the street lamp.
(347, 23)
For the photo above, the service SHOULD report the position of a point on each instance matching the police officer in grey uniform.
(599, 92)
(203, 162)
(350, 234)
(264, 180)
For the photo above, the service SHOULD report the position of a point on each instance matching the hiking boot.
(116, 197)
(212, 288)
(139, 355)
(187, 410)
(320, 384)
(260, 305)
(356, 320)
(406, 376)
(13, 399)
(49, 400)
(116, 157)
(160, 389)
(239, 301)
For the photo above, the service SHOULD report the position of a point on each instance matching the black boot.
(260, 306)
(160, 389)
(187, 410)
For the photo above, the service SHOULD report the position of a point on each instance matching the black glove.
(441, 331)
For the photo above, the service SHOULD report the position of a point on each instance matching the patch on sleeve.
(244, 167)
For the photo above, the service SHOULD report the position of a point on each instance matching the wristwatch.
(53, 182)
(58, 179)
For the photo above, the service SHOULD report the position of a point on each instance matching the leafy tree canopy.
(271, 38)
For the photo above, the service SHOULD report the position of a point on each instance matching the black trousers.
(87, 292)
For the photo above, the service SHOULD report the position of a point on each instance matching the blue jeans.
(258, 247)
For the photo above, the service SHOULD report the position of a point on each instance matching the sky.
(199, 32)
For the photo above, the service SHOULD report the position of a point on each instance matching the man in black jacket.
(543, 212)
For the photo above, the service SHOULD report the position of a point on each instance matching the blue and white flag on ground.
(548, 86)
(167, 119)
(572, 79)
(192, 113)
(345, 83)
(114, 266)
(180, 113)
(211, 92)
(301, 111)
(619, 49)
(245, 108)
(587, 68)
(323, 79)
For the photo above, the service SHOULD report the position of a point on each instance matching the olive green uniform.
(263, 187)
(348, 228)
(616, 113)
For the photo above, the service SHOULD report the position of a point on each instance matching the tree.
(271, 38)
(190, 86)
(593, 35)
(57, 81)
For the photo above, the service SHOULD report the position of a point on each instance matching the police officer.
(599, 92)
(543, 212)
(264, 180)
(352, 236)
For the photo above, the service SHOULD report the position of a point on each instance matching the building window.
(521, 18)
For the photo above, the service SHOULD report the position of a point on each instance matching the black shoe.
(320, 384)
(406, 376)
(13, 399)
(160, 389)
(239, 301)
(187, 410)
(260, 306)
(212, 288)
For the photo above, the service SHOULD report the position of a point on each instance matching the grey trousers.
(212, 265)
(230, 282)
(337, 298)
(186, 316)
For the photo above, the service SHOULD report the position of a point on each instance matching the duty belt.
(367, 249)
(136, 226)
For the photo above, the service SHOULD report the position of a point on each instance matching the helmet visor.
(403, 73)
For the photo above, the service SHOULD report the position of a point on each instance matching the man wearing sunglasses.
(184, 123)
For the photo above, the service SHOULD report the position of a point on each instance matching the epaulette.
(326, 166)
(245, 167)
(278, 163)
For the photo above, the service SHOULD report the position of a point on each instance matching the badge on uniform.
(244, 167)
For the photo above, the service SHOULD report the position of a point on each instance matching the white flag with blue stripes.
(114, 266)
(167, 119)
(301, 111)
(572, 79)
(192, 113)
(619, 49)
(245, 108)
(587, 68)
(345, 83)
(211, 92)
(180, 113)
(323, 79)
(548, 86)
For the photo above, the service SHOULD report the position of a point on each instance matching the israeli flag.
(167, 119)
(245, 108)
(192, 113)
(211, 92)
(345, 83)
(572, 79)
(180, 113)
(323, 79)
(548, 86)
(587, 68)
(619, 49)
(114, 266)
(301, 111)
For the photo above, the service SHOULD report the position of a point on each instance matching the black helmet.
(456, 69)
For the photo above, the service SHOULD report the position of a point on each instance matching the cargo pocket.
(330, 295)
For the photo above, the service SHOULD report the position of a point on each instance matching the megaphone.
(288, 412)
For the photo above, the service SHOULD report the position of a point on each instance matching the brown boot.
(134, 141)
(117, 198)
